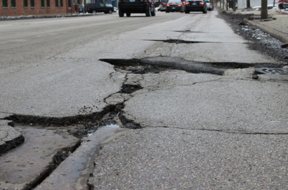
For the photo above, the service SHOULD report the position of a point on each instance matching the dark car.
(136, 6)
(99, 7)
(197, 5)
(175, 6)
(283, 4)
(162, 6)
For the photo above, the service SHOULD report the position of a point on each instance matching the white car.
(209, 5)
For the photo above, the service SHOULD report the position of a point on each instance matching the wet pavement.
(24, 166)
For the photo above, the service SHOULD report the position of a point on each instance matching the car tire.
(128, 14)
(153, 13)
(110, 11)
(148, 12)
(204, 11)
(280, 6)
(167, 11)
(187, 12)
(121, 13)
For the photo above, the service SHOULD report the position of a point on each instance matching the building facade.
(38, 7)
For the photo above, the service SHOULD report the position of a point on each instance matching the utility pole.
(264, 12)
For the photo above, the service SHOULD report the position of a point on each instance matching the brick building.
(38, 7)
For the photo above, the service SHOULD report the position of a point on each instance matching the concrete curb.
(282, 36)
(273, 32)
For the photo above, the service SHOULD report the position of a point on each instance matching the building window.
(32, 3)
(56, 3)
(69, 3)
(13, 3)
(5, 3)
(42, 3)
(61, 3)
(48, 3)
(25, 3)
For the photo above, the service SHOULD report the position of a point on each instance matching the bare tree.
(264, 12)
(248, 4)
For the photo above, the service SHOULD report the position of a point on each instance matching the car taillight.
(179, 5)
(280, 1)
(186, 3)
(201, 3)
(167, 5)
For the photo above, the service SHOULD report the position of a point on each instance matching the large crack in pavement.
(178, 41)
(158, 64)
(86, 124)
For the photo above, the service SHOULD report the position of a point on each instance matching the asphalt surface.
(230, 133)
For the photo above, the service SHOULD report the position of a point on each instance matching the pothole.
(178, 41)
(159, 64)
(189, 31)
(128, 88)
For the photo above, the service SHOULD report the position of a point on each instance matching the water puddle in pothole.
(91, 132)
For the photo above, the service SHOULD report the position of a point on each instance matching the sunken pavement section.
(208, 142)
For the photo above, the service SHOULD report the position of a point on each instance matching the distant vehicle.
(136, 6)
(283, 4)
(209, 5)
(162, 6)
(99, 7)
(175, 6)
(197, 5)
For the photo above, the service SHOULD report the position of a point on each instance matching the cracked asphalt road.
(191, 131)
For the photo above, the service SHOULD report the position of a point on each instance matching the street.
(165, 102)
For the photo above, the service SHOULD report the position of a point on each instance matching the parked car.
(197, 5)
(175, 6)
(136, 6)
(162, 6)
(99, 7)
(283, 4)
(209, 5)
